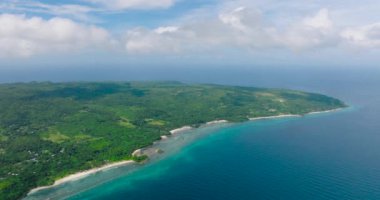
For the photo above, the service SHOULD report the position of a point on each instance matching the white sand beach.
(273, 117)
(83, 174)
(182, 129)
(291, 115)
(326, 111)
(217, 122)
(150, 151)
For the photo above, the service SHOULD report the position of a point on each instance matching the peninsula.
(51, 130)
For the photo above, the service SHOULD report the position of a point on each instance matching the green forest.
(50, 130)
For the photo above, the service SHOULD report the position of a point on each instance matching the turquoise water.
(324, 156)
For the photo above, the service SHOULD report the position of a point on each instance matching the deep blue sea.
(324, 156)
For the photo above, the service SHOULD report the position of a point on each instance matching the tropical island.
(49, 131)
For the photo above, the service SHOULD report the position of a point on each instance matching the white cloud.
(312, 32)
(134, 4)
(160, 40)
(166, 29)
(234, 19)
(367, 36)
(75, 11)
(231, 29)
(246, 28)
(22, 36)
(320, 21)
(242, 27)
(247, 25)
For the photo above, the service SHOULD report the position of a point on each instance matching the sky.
(58, 34)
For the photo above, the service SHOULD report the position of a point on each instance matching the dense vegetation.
(50, 130)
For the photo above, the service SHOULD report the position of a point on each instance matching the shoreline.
(326, 111)
(294, 115)
(83, 174)
(180, 130)
(274, 117)
(137, 152)
(221, 121)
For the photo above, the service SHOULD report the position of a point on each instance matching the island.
(49, 131)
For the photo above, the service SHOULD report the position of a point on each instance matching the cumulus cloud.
(229, 29)
(237, 25)
(311, 32)
(22, 36)
(367, 36)
(169, 39)
(242, 27)
(320, 21)
(74, 11)
(134, 4)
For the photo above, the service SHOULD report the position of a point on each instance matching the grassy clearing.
(55, 136)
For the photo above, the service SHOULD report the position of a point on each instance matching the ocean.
(323, 156)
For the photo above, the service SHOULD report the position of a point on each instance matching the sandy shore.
(273, 117)
(83, 174)
(182, 129)
(164, 137)
(326, 111)
(217, 122)
(291, 115)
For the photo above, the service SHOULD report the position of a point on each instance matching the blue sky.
(179, 33)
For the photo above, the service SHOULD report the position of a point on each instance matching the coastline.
(179, 130)
(274, 117)
(137, 152)
(217, 122)
(326, 111)
(83, 174)
(294, 115)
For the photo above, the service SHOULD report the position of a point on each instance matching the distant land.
(51, 130)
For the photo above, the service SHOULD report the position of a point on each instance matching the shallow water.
(323, 156)
(170, 147)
